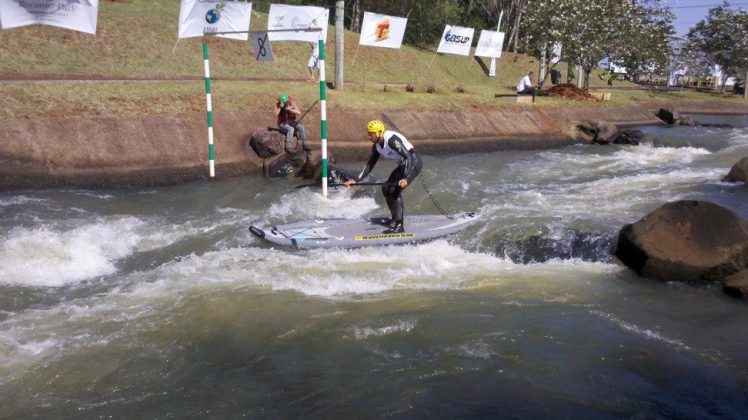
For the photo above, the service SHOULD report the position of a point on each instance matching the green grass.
(137, 38)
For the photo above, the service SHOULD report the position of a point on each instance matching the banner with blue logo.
(456, 40)
(80, 15)
(199, 17)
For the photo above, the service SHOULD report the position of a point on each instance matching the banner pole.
(211, 147)
(354, 57)
(323, 114)
(432, 60)
(492, 70)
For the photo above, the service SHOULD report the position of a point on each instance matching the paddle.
(364, 184)
(307, 111)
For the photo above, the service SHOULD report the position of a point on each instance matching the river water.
(158, 302)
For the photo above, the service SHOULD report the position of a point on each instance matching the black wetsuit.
(395, 147)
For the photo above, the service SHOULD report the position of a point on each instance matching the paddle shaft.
(307, 111)
(365, 184)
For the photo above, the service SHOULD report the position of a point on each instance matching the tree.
(591, 30)
(648, 46)
(721, 40)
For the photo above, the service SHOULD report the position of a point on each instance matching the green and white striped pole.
(211, 148)
(323, 114)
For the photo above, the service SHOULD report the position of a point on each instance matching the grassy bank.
(137, 39)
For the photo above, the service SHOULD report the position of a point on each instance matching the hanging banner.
(556, 53)
(456, 40)
(80, 15)
(286, 17)
(261, 46)
(199, 17)
(382, 30)
(490, 44)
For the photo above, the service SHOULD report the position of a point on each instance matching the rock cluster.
(688, 241)
(602, 132)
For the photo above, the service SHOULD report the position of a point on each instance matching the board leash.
(433, 200)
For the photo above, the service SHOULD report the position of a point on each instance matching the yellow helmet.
(376, 127)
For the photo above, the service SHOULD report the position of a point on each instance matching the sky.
(690, 12)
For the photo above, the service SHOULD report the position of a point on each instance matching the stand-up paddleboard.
(353, 233)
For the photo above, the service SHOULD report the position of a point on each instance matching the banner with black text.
(490, 44)
(296, 19)
(79, 15)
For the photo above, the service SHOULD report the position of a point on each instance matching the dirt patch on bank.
(570, 91)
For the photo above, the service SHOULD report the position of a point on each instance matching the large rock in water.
(739, 172)
(597, 132)
(668, 115)
(630, 137)
(737, 284)
(691, 241)
(267, 143)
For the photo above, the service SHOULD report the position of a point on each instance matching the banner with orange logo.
(382, 30)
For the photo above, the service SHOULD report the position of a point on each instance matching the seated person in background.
(286, 111)
(525, 87)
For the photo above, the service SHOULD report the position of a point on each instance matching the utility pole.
(339, 43)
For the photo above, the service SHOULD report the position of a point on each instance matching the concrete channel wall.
(162, 149)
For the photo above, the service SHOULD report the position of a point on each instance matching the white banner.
(456, 40)
(198, 17)
(490, 44)
(382, 30)
(282, 16)
(556, 53)
(78, 15)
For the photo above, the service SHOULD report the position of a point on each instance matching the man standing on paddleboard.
(394, 146)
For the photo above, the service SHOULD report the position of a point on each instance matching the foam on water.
(308, 204)
(565, 164)
(634, 329)
(611, 196)
(358, 274)
(20, 200)
(362, 333)
(48, 256)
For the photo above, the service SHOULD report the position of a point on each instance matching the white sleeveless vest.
(384, 149)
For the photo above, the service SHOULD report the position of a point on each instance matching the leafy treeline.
(719, 40)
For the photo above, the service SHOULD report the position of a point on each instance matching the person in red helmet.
(394, 146)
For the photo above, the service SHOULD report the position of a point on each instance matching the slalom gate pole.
(323, 114)
(211, 147)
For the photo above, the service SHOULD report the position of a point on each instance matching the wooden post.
(339, 43)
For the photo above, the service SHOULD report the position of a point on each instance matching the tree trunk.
(587, 71)
(355, 16)
(745, 86)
